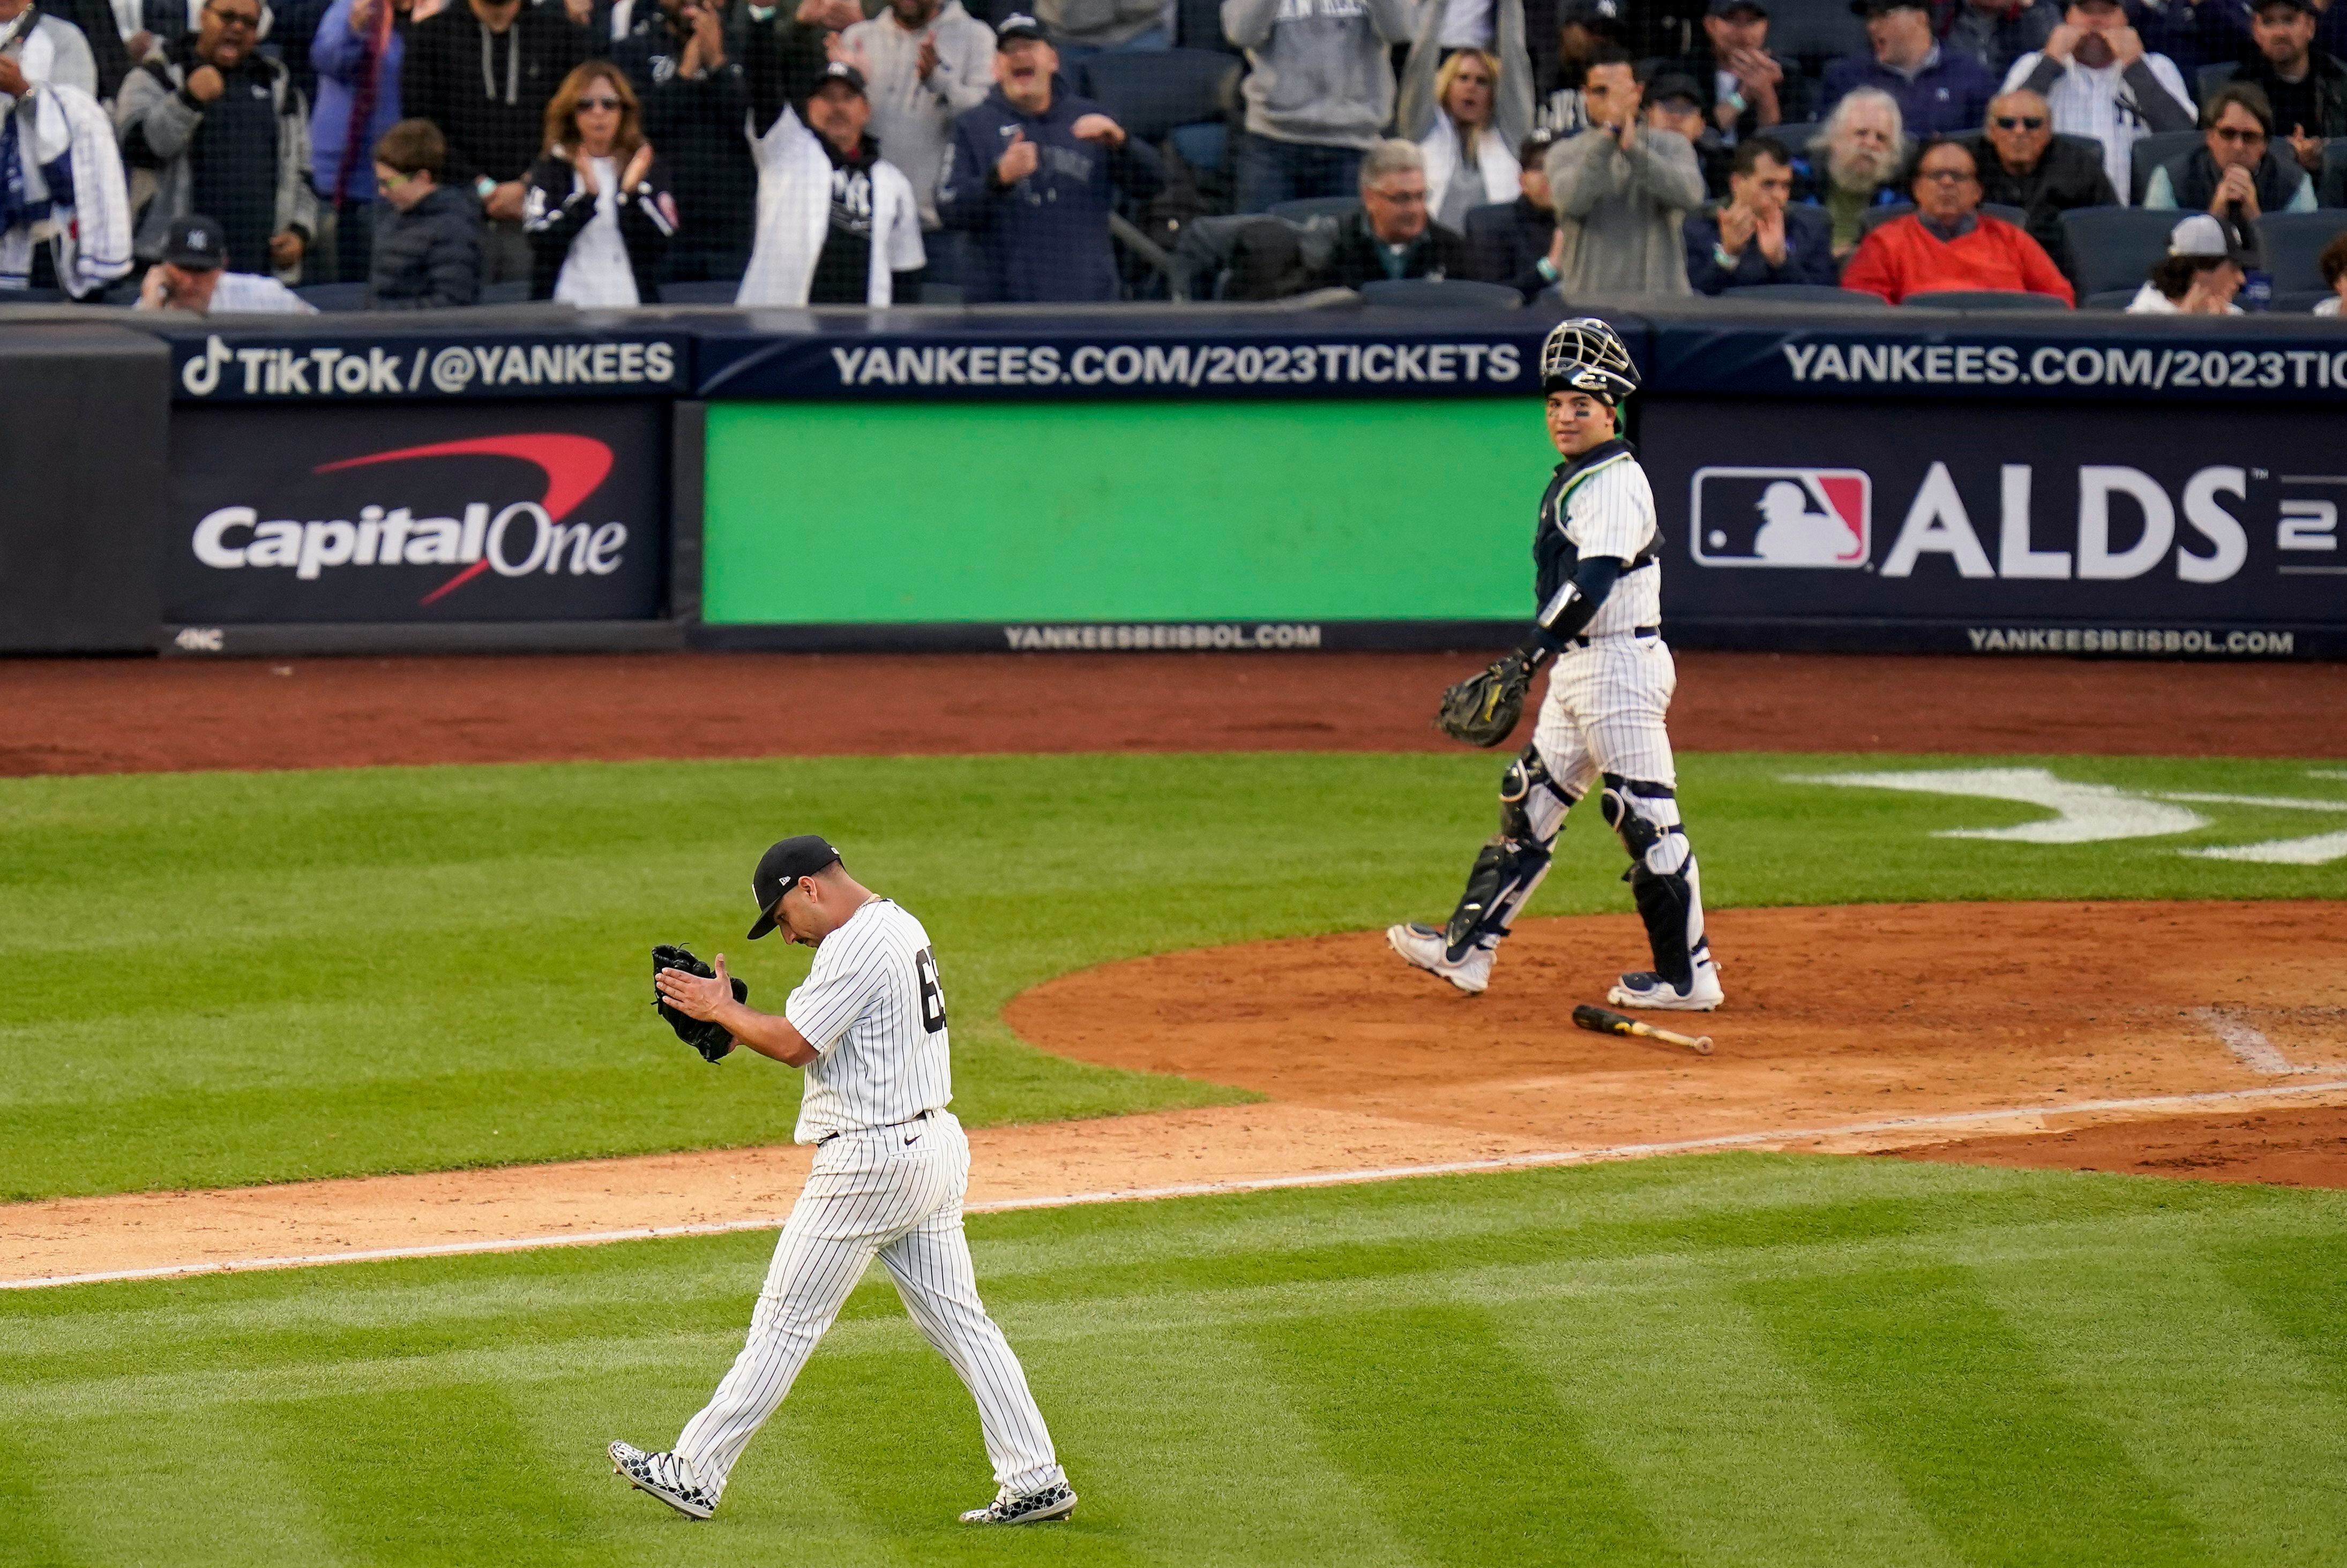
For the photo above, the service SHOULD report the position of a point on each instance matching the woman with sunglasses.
(597, 208)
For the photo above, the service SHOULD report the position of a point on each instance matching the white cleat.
(1645, 989)
(1025, 1508)
(1425, 949)
(658, 1474)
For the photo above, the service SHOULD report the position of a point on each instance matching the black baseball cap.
(1597, 15)
(196, 243)
(841, 71)
(1673, 84)
(779, 870)
(1881, 7)
(1730, 7)
(1018, 25)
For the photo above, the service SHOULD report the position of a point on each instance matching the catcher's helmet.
(1584, 354)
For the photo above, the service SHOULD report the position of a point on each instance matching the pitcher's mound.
(1838, 1020)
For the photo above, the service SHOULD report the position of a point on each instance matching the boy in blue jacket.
(1032, 175)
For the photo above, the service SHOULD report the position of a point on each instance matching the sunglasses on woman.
(612, 104)
(2019, 122)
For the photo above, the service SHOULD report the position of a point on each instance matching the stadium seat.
(1149, 93)
(1800, 294)
(1814, 31)
(2110, 300)
(2292, 242)
(1440, 293)
(2330, 185)
(513, 293)
(2114, 247)
(1983, 299)
(712, 291)
(30, 296)
(2150, 151)
(1203, 146)
(1306, 209)
(332, 297)
(1794, 136)
(2299, 302)
(2211, 77)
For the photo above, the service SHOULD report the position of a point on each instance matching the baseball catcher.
(1597, 555)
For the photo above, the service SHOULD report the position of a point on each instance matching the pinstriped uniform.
(891, 1169)
(1605, 701)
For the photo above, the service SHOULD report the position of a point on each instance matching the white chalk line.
(1209, 1189)
(2250, 1047)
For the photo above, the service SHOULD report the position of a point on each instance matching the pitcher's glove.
(712, 1041)
(1483, 710)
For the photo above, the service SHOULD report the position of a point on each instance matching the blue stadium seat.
(2114, 247)
(1203, 146)
(335, 296)
(1794, 136)
(2292, 242)
(2299, 302)
(2150, 151)
(1801, 294)
(2109, 299)
(1440, 293)
(513, 293)
(2211, 77)
(2330, 185)
(1983, 299)
(1149, 93)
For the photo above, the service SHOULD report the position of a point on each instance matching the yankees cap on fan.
(781, 867)
(195, 242)
(1018, 25)
(841, 71)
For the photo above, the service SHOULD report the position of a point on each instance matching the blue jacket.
(1948, 96)
(1808, 253)
(1045, 239)
(339, 56)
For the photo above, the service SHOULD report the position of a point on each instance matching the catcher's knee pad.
(1646, 816)
(1531, 803)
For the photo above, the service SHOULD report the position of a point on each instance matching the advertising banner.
(330, 364)
(553, 512)
(2207, 532)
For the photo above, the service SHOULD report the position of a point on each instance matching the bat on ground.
(1606, 1020)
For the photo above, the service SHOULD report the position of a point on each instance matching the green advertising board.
(940, 514)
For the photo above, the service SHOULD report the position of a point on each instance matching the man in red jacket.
(1948, 242)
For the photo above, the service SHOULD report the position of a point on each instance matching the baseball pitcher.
(1598, 631)
(891, 1167)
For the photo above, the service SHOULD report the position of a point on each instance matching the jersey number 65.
(933, 999)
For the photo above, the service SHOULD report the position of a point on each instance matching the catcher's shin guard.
(1662, 877)
(1511, 863)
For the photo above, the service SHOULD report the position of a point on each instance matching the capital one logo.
(520, 538)
(1783, 517)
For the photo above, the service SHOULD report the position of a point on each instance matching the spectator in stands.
(1467, 164)
(1947, 242)
(1621, 192)
(356, 55)
(2235, 172)
(1938, 90)
(1391, 236)
(837, 223)
(483, 71)
(1508, 242)
(1080, 29)
(1998, 32)
(1032, 177)
(1744, 88)
(1755, 236)
(926, 61)
(224, 132)
(2333, 265)
(598, 213)
(1320, 90)
(2196, 32)
(427, 247)
(2096, 74)
(2022, 165)
(2306, 88)
(46, 48)
(1584, 27)
(2199, 276)
(193, 275)
(102, 27)
(1864, 145)
(685, 64)
(1673, 105)
(1418, 103)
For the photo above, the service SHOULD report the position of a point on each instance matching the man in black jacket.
(1744, 89)
(2022, 165)
(2306, 87)
(427, 244)
(483, 71)
(1508, 241)
(686, 67)
(1391, 237)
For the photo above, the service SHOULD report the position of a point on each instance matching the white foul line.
(1209, 1189)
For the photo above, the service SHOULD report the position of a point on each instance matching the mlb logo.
(1783, 517)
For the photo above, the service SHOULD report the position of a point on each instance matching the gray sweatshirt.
(1620, 211)
(911, 118)
(1320, 70)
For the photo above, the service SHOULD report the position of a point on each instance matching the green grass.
(1735, 1360)
(238, 978)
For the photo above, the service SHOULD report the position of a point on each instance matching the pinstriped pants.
(1604, 713)
(896, 1192)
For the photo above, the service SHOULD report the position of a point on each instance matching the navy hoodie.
(1043, 241)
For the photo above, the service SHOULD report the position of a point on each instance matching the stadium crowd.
(407, 154)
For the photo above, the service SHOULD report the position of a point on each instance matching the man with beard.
(927, 61)
(1864, 144)
(1587, 27)
(2306, 87)
(685, 66)
(1938, 91)
(2022, 165)
(2099, 81)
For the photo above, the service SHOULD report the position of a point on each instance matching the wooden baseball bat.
(1606, 1020)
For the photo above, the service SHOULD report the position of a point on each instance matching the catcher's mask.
(1584, 354)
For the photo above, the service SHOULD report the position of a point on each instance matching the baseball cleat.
(1425, 949)
(660, 1474)
(1645, 989)
(1026, 1508)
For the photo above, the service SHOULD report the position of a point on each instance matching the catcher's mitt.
(1483, 710)
(710, 1039)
